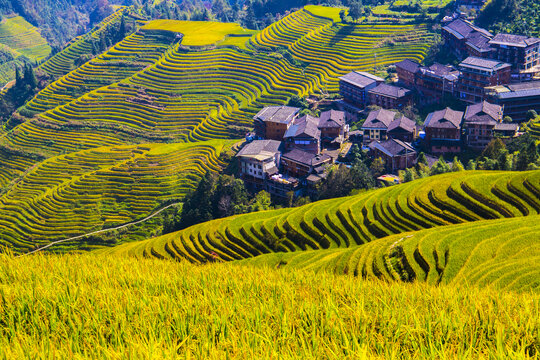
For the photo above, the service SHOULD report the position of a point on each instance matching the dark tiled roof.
(306, 125)
(403, 123)
(477, 62)
(408, 65)
(462, 29)
(479, 41)
(305, 158)
(390, 91)
(278, 114)
(360, 78)
(260, 147)
(492, 110)
(514, 40)
(446, 118)
(393, 147)
(332, 119)
(481, 119)
(379, 119)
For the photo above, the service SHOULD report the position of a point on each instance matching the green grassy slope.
(503, 253)
(77, 193)
(427, 203)
(107, 307)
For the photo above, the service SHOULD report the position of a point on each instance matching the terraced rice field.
(23, 37)
(503, 253)
(333, 49)
(77, 193)
(64, 62)
(341, 223)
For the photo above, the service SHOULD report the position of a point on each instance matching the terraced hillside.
(503, 253)
(64, 62)
(339, 223)
(194, 94)
(77, 193)
(19, 38)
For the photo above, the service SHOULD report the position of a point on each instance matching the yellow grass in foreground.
(87, 306)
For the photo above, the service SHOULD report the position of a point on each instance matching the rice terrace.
(269, 179)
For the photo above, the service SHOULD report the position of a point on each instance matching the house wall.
(374, 134)
(472, 83)
(295, 169)
(402, 135)
(388, 102)
(275, 131)
(310, 145)
(477, 136)
(355, 94)
(406, 77)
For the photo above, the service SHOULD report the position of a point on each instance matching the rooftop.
(483, 64)
(446, 118)
(360, 78)
(479, 42)
(530, 88)
(379, 119)
(332, 119)
(390, 91)
(306, 125)
(506, 127)
(277, 114)
(408, 65)
(463, 29)
(402, 122)
(474, 112)
(305, 158)
(514, 40)
(260, 149)
(393, 147)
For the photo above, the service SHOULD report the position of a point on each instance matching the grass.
(85, 306)
(331, 13)
(197, 33)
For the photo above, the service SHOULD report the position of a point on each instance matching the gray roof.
(506, 127)
(306, 125)
(379, 119)
(408, 65)
(474, 113)
(390, 91)
(437, 70)
(446, 118)
(479, 42)
(393, 147)
(360, 79)
(463, 29)
(306, 158)
(260, 149)
(277, 114)
(526, 89)
(332, 119)
(514, 40)
(402, 122)
(483, 64)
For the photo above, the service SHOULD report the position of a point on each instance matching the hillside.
(432, 202)
(502, 253)
(19, 39)
(77, 193)
(107, 307)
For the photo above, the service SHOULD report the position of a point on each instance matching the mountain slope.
(344, 222)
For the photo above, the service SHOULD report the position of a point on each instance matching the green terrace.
(85, 191)
(502, 253)
(432, 202)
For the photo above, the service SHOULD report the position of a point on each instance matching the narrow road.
(101, 231)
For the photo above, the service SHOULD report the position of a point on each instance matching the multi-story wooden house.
(443, 131)
(477, 74)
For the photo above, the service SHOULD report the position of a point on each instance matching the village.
(497, 82)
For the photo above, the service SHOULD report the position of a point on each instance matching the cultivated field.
(350, 221)
(86, 306)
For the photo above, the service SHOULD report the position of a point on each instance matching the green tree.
(343, 16)
(355, 10)
(261, 201)
(457, 165)
(378, 167)
(494, 149)
(440, 167)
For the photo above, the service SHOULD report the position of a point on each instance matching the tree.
(198, 204)
(378, 167)
(297, 101)
(494, 149)
(440, 167)
(507, 119)
(355, 10)
(531, 114)
(30, 76)
(457, 165)
(262, 201)
(343, 16)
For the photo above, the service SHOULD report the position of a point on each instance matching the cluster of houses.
(289, 152)
(495, 79)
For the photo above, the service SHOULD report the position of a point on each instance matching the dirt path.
(101, 231)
